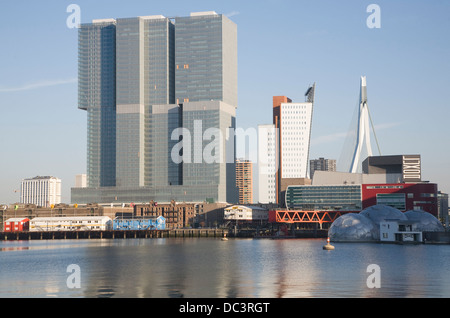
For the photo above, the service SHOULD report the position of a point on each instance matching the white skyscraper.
(267, 163)
(293, 122)
(42, 191)
(295, 134)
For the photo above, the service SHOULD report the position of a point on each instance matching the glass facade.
(145, 76)
(199, 193)
(324, 198)
(206, 59)
(206, 162)
(395, 200)
(145, 91)
(97, 95)
(160, 169)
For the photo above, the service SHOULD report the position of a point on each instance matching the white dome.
(425, 221)
(352, 227)
(378, 213)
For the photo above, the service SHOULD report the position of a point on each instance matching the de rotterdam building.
(142, 81)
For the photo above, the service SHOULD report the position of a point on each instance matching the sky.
(283, 47)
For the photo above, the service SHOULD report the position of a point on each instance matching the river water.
(212, 268)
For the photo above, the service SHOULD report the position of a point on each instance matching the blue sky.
(283, 47)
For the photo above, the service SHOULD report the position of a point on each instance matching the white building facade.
(80, 181)
(267, 163)
(295, 132)
(245, 213)
(399, 231)
(42, 191)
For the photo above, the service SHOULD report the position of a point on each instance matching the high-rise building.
(293, 122)
(321, 164)
(144, 77)
(244, 180)
(97, 95)
(206, 58)
(142, 80)
(267, 163)
(42, 191)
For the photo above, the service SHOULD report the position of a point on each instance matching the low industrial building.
(139, 224)
(183, 214)
(247, 214)
(74, 223)
(16, 225)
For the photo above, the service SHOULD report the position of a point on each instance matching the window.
(395, 200)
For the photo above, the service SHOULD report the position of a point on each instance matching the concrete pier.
(71, 235)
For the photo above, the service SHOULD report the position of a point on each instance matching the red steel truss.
(291, 216)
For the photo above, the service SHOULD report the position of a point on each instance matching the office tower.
(206, 86)
(169, 74)
(144, 62)
(321, 164)
(161, 170)
(206, 58)
(208, 162)
(244, 180)
(42, 191)
(97, 95)
(267, 163)
(293, 121)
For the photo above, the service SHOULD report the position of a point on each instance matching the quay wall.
(110, 234)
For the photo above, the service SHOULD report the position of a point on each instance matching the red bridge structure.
(296, 216)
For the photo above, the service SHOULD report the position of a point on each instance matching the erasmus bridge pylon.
(363, 128)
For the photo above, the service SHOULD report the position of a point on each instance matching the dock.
(111, 234)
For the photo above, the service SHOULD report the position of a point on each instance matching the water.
(209, 267)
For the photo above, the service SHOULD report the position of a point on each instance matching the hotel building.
(41, 191)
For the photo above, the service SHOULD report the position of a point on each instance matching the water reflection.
(207, 267)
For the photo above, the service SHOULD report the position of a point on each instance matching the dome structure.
(426, 222)
(365, 225)
(353, 227)
(378, 213)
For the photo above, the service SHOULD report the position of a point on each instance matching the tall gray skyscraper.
(142, 78)
(144, 71)
(97, 95)
(206, 58)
